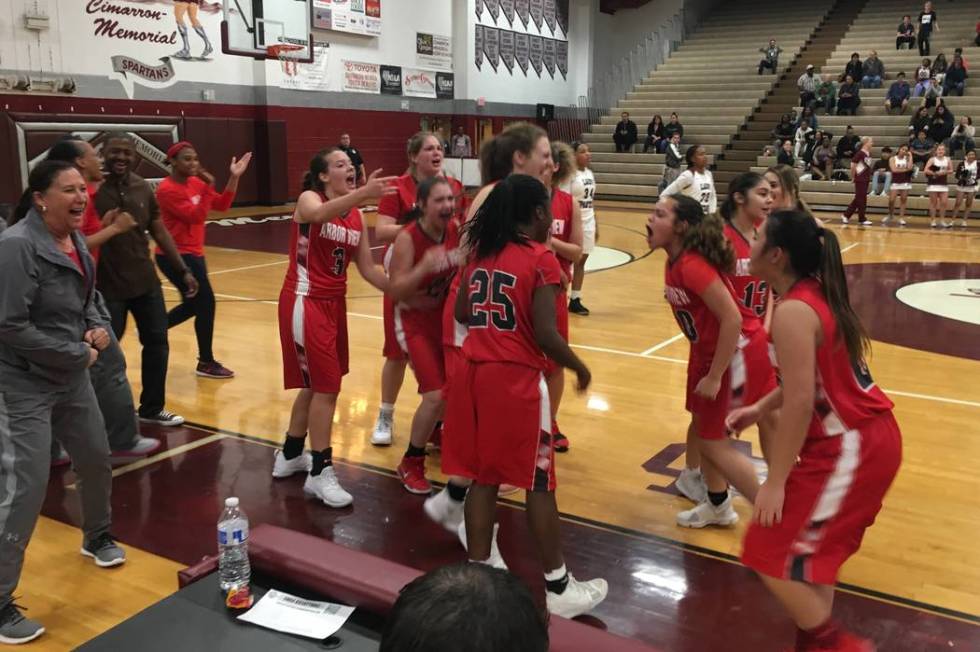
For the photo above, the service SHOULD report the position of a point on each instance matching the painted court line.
(667, 342)
(247, 267)
(849, 247)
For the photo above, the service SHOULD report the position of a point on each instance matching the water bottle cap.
(231, 502)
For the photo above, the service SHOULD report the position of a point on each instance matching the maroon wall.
(286, 137)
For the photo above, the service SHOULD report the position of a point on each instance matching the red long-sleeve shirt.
(184, 209)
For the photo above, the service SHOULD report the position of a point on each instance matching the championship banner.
(523, 9)
(507, 7)
(536, 52)
(522, 50)
(478, 41)
(537, 12)
(561, 11)
(562, 58)
(549, 16)
(550, 56)
(507, 49)
(491, 45)
(493, 6)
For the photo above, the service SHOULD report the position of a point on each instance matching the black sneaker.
(560, 442)
(14, 628)
(104, 550)
(575, 306)
(163, 418)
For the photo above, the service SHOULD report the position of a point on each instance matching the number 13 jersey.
(501, 290)
(320, 253)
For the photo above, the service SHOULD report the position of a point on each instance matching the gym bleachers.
(874, 29)
(710, 81)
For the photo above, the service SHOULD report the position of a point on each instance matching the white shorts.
(937, 188)
(588, 237)
(967, 190)
(901, 186)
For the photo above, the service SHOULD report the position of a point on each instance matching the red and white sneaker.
(412, 472)
(214, 369)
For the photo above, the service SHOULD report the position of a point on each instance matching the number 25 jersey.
(320, 253)
(501, 290)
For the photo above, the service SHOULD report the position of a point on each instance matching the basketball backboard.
(250, 27)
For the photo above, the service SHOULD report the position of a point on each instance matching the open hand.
(238, 166)
(377, 185)
(768, 507)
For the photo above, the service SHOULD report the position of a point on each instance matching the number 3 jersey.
(319, 255)
(685, 280)
(501, 290)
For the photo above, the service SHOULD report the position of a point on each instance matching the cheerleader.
(902, 166)
(966, 185)
(937, 171)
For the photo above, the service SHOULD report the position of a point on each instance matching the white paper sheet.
(287, 613)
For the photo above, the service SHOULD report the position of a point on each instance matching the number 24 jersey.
(501, 290)
(320, 253)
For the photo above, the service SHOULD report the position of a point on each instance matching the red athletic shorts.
(313, 334)
(391, 349)
(498, 423)
(749, 377)
(561, 321)
(420, 338)
(832, 495)
(452, 357)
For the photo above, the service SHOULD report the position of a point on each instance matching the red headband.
(176, 147)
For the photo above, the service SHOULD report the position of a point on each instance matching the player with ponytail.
(728, 364)
(837, 447)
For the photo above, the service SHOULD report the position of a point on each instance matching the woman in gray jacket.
(50, 334)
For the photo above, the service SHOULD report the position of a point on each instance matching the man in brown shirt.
(127, 277)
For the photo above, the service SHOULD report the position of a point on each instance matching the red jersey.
(561, 223)
(184, 209)
(401, 203)
(751, 292)
(684, 282)
(846, 397)
(453, 333)
(319, 255)
(91, 222)
(501, 290)
(424, 310)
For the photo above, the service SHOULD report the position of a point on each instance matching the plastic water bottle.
(233, 568)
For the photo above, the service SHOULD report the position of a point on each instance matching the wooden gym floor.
(914, 584)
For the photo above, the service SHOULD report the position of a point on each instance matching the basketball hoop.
(281, 51)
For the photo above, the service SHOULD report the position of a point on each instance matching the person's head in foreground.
(467, 606)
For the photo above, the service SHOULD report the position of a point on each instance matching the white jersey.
(970, 184)
(699, 186)
(583, 191)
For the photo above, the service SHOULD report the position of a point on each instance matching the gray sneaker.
(14, 628)
(142, 446)
(104, 551)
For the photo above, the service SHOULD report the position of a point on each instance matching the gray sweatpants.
(27, 423)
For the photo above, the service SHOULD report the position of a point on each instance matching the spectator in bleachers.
(939, 67)
(976, 41)
(462, 146)
(785, 156)
(932, 94)
(826, 95)
(848, 97)
(921, 121)
(810, 148)
(768, 151)
(873, 71)
(963, 136)
(898, 94)
(955, 80)
(958, 52)
(673, 157)
(784, 130)
(905, 34)
(942, 124)
(921, 147)
(625, 134)
(861, 175)
(854, 68)
(926, 23)
(922, 74)
(822, 167)
(848, 146)
(671, 128)
(882, 170)
(771, 60)
(655, 134)
(804, 135)
(808, 115)
(807, 83)
(493, 607)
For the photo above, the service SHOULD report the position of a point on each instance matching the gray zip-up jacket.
(46, 306)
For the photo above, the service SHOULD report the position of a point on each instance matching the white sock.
(387, 408)
(576, 294)
(557, 574)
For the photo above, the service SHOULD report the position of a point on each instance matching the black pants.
(908, 41)
(924, 44)
(806, 98)
(201, 306)
(765, 63)
(623, 144)
(151, 322)
(847, 105)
